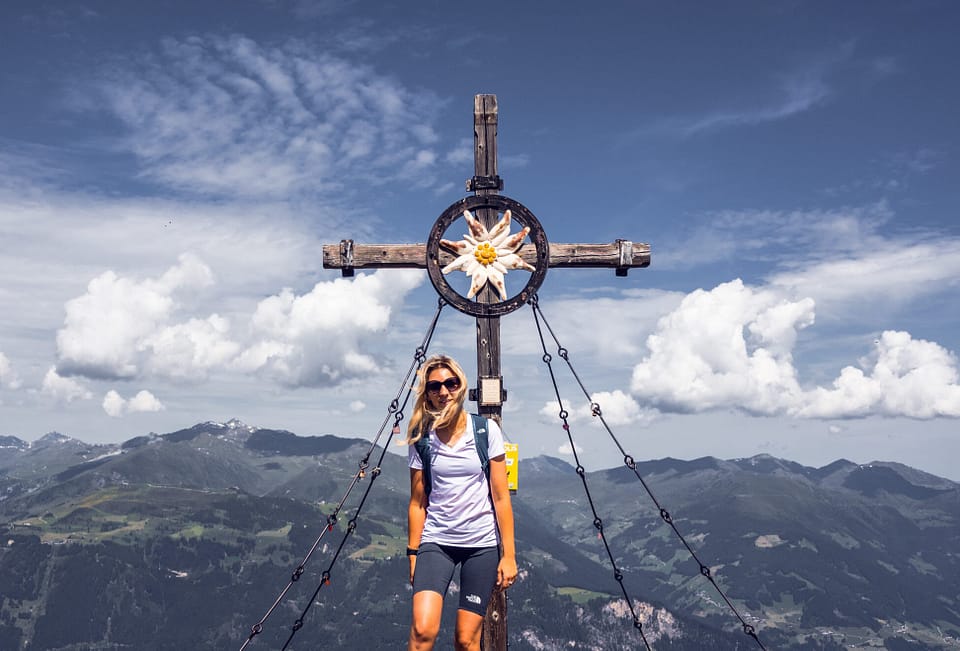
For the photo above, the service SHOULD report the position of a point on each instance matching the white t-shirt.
(460, 512)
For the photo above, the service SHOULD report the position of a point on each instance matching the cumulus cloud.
(113, 404)
(227, 115)
(357, 406)
(8, 376)
(144, 401)
(107, 329)
(189, 350)
(64, 389)
(317, 339)
(905, 377)
(732, 347)
(124, 328)
(616, 407)
(566, 449)
(729, 345)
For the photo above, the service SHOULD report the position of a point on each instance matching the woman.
(462, 516)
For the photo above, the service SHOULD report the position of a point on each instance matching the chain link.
(629, 462)
(396, 411)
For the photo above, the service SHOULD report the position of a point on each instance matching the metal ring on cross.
(485, 253)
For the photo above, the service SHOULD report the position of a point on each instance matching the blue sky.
(169, 174)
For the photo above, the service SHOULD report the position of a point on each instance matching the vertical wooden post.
(486, 181)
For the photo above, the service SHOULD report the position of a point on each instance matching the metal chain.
(351, 527)
(396, 411)
(597, 521)
(629, 462)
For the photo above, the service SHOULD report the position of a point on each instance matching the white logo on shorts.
(474, 599)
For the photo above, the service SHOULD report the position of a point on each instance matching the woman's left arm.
(507, 570)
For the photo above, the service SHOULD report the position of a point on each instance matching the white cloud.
(107, 329)
(921, 269)
(144, 401)
(783, 96)
(908, 377)
(794, 95)
(227, 115)
(616, 407)
(116, 406)
(64, 389)
(566, 449)
(839, 257)
(790, 95)
(254, 248)
(728, 346)
(113, 404)
(732, 347)
(8, 376)
(357, 406)
(124, 328)
(461, 153)
(803, 236)
(190, 350)
(318, 339)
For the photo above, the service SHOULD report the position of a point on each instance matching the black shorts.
(478, 573)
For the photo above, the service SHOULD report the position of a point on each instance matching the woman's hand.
(413, 566)
(506, 572)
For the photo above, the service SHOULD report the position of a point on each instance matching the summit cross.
(620, 255)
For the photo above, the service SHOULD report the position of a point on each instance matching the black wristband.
(411, 551)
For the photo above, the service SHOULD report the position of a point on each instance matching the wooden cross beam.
(620, 255)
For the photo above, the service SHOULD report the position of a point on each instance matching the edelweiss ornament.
(485, 255)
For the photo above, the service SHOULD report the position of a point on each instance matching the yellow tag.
(512, 462)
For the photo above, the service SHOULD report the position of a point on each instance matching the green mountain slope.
(184, 540)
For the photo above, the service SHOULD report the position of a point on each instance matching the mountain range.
(186, 539)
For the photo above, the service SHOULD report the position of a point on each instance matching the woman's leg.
(478, 576)
(432, 575)
(427, 607)
(469, 626)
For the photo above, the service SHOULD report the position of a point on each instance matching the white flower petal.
(479, 278)
(460, 263)
(501, 229)
(476, 228)
(457, 248)
(495, 278)
(515, 242)
(514, 261)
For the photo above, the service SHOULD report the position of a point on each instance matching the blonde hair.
(423, 418)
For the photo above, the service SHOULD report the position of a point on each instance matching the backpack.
(480, 441)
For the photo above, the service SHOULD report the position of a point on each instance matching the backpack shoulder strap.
(423, 449)
(482, 442)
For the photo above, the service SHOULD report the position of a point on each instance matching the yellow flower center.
(485, 253)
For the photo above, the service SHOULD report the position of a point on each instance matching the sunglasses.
(452, 384)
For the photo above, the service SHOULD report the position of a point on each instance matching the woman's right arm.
(416, 515)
